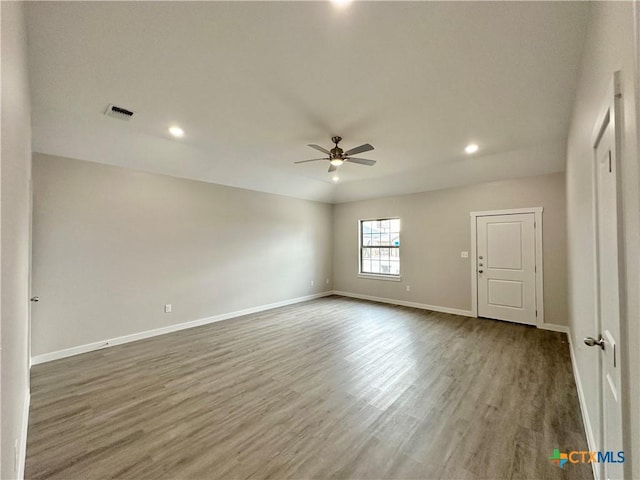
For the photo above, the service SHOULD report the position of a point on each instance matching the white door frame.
(610, 113)
(537, 211)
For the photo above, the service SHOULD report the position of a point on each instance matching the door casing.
(610, 113)
(537, 211)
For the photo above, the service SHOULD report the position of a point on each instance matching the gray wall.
(609, 46)
(436, 228)
(112, 245)
(14, 230)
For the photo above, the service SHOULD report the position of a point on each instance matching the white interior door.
(608, 301)
(506, 267)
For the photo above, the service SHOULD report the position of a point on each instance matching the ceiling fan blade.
(318, 147)
(361, 149)
(312, 160)
(332, 168)
(361, 161)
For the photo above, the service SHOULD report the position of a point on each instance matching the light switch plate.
(464, 254)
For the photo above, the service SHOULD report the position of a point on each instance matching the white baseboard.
(554, 328)
(22, 447)
(591, 440)
(423, 306)
(89, 347)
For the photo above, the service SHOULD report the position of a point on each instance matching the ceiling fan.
(337, 156)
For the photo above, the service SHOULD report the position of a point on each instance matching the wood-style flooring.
(332, 388)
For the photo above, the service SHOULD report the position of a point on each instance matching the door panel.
(504, 244)
(506, 267)
(505, 293)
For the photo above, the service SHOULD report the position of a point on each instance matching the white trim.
(609, 114)
(89, 347)
(422, 306)
(554, 328)
(539, 269)
(591, 442)
(22, 446)
(388, 278)
(510, 211)
(474, 265)
(373, 276)
(537, 211)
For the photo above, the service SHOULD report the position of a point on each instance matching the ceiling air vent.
(118, 112)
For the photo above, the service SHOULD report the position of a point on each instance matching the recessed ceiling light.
(176, 131)
(471, 148)
(335, 178)
(341, 3)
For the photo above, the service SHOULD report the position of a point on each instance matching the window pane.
(394, 268)
(376, 256)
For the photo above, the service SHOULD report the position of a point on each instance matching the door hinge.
(609, 161)
(536, 313)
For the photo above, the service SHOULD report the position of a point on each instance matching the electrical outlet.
(312, 283)
(408, 288)
(167, 308)
(327, 281)
(464, 254)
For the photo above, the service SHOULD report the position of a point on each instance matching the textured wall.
(436, 228)
(14, 244)
(113, 245)
(609, 47)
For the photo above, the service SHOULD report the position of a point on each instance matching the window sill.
(388, 278)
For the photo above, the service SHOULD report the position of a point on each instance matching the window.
(380, 247)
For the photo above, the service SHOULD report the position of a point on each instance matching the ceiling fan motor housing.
(336, 152)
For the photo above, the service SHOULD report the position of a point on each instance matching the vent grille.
(118, 112)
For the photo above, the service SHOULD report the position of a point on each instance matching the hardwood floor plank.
(332, 388)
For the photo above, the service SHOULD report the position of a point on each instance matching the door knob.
(479, 271)
(35, 299)
(592, 342)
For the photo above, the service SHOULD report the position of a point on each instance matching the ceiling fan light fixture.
(176, 131)
(471, 148)
(335, 178)
(336, 162)
(341, 3)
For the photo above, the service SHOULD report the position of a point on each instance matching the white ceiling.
(253, 83)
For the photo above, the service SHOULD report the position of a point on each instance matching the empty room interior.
(320, 239)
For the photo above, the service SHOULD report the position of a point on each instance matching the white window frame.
(376, 276)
